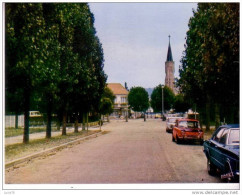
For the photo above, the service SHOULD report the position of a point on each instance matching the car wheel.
(210, 167)
(201, 142)
(178, 141)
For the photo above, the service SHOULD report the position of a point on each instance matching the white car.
(170, 123)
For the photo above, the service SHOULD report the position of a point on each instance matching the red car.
(187, 129)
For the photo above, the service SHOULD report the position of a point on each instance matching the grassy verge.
(16, 151)
(10, 132)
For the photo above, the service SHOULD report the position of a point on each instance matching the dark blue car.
(222, 152)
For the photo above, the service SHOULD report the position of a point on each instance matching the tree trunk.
(217, 115)
(87, 121)
(64, 123)
(76, 122)
(83, 121)
(49, 118)
(58, 124)
(100, 121)
(26, 115)
(144, 117)
(16, 120)
(208, 114)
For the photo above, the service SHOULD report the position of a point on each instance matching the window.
(172, 120)
(224, 137)
(218, 135)
(188, 124)
(123, 100)
(233, 137)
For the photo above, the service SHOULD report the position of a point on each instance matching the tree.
(107, 93)
(90, 85)
(210, 62)
(106, 102)
(156, 98)
(106, 106)
(138, 99)
(53, 59)
(180, 105)
(24, 46)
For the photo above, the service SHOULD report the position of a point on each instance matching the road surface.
(132, 152)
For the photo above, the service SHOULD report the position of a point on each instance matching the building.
(170, 69)
(121, 99)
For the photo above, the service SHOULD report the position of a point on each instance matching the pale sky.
(135, 39)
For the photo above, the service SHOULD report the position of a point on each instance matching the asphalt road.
(132, 152)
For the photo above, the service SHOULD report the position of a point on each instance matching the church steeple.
(169, 53)
(170, 69)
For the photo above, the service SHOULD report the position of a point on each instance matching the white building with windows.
(121, 99)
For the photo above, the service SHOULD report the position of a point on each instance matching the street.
(131, 152)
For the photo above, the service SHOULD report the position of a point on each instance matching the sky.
(134, 38)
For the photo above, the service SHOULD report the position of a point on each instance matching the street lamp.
(162, 86)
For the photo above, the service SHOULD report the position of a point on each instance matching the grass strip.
(16, 151)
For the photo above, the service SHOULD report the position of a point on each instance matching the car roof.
(187, 119)
(230, 126)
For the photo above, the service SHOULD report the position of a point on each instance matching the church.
(170, 69)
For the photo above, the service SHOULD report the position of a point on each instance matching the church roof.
(169, 53)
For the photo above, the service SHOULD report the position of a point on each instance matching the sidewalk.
(19, 138)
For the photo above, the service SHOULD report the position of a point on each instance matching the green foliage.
(138, 99)
(180, 104)
(210, 65)
(54, 60)
(106, 106)
(106, 102)
(108, 94)
(156, 98)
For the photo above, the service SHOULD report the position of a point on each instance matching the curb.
(38, 154)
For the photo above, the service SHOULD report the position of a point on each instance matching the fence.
(10, 121)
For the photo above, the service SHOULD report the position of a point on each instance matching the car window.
(233, 137)
(182, 124)
(218, 135)
(189, 124)
(172, 120)
(224, 136)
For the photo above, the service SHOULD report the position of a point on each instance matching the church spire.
(169, 54)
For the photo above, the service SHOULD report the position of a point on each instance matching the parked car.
(187, 129)
(157, 115)
(222, 152)
(170, 123)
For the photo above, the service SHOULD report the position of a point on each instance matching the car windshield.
(188, 124)
(234, 137)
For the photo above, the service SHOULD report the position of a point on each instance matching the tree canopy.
(53, 56)
(138, 99)
(156, 98)
(209, 74)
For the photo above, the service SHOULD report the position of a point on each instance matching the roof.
(187, 119)
(169, 53)
(231, 126)
(117, 89)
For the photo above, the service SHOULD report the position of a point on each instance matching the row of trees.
(138, 99)
(209, 74)
(54, 61)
